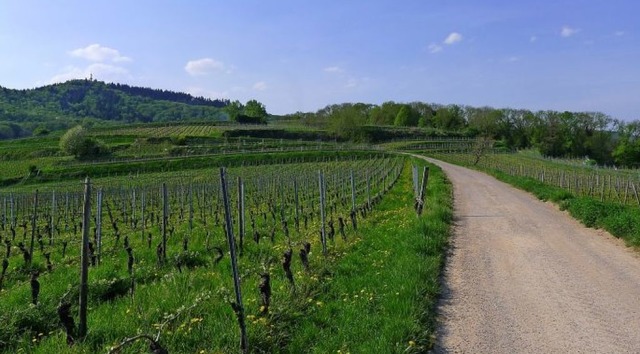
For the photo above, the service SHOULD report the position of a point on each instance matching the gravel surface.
(524, 277)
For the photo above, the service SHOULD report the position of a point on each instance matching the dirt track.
(524, 277)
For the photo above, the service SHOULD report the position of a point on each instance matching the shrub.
(76, 142)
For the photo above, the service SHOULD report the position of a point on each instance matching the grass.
(381, 296)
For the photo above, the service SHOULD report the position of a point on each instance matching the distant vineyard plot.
(606, 184)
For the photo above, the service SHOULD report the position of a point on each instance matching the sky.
(303, 55)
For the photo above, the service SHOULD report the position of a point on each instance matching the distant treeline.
(557, 134)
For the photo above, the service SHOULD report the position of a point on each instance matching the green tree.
(402, 118)
(485, 121)
(71, 143)
(76, 142)
(627, 151)
(449, 118)
(234, 109)
(346, 120)
(255, 110)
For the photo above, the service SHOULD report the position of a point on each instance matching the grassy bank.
(380, 297)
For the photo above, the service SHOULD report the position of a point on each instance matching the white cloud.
(619, 33)
(260, 86)
(533, 39)
(452, 38)
(333, 69)
(99, 71)
(568, 31)
(98, 53)
(434, 48)
(513, 59)
(351, 83)
(205, 66)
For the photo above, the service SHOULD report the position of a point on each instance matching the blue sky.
(302, 55)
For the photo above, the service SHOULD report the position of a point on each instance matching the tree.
(449, 118)
(76, 142)
(255, 109)
(627, 152)
(424, 113)
(234, 109)
(485, 121)
(402, 118)
(346, 120)
(71, 143)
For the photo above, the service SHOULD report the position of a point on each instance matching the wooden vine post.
(165, 216)
(52, 218)
(368, 190)
(237, 306)
(241, 213)
(4, 216)
(98, 239)
(133, 209)
(353, 192)
(84, 260)
(295, 192)
(323, 237)
(190, 209)
(414, 169)
(423, 186)
(142, 216)
(33, 226)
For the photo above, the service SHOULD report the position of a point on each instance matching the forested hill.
(79, 99)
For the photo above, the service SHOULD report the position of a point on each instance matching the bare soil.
(524, 277)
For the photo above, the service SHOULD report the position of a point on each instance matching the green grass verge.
(381, 296)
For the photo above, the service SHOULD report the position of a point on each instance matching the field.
(323, 240)
(604, 184)
(39, 158)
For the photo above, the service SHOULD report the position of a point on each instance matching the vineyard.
(604, 184)
(160, 271)
(41, 156)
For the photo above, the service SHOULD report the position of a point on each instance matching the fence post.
(33, 226)
(241, 213)
(353, 192)
(238, 308)
(322, 216)
(423, 186)
(165, 216)
(52, 220)
(84, 260)
(99, 225)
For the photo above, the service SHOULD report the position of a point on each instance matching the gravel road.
(524, 277)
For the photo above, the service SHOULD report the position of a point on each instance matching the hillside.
(57, 106)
